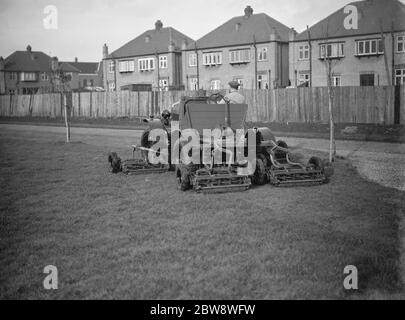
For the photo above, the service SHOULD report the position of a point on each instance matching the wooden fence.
(373, 105)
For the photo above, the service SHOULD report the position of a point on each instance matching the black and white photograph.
(202, 156)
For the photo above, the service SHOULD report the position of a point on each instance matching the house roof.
(28, 61)
(67, 67)
(372, 14)
(151, 42)
(242, 30)
(85, 67)
(33, 61)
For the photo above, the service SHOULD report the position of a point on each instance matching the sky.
(83, 26)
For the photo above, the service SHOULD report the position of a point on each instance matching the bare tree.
(60, 82)
(330, 62)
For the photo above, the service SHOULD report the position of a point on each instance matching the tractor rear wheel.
(183, 174)
(260, 177)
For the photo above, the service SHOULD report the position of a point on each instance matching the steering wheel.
(216, 97)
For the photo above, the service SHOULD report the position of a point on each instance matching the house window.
(304, 78)
(111, 66)
(163, 84)
(400, 77)
(336, 81)
(400, 44)
(303, 52)
(262, 54)
(163, 62)
(146, 64)
(212, 58)
(262, 82)
(193, 84)
(239, 56)
(332, 50)
(111, 86)
(126, 66)
(192, 60)
(11, 92)
(44, 76)
(215, 85)
(28, 76)
(367, 80)
(13, 76)
(369, 47)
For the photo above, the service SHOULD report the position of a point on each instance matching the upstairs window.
(192, 60)
(212, 58)
(44, 76)
(369, 47)
(239, 56)
(111, 66)
(126, 66)
(163, 62)
(331, 50)
(262, 54)
(400, 44)
(13, 76)
(146, 64)
(28, 76)
(303, 52)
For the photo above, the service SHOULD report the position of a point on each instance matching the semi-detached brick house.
(29, 72)
(151, 61)
(252, 49)
(373, 54)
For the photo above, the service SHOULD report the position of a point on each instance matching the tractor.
(273, 162)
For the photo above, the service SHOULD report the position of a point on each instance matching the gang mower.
(273, 163)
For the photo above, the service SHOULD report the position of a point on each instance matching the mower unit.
(139, 164)
(274, 164)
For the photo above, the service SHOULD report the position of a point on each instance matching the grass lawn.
(138, 237)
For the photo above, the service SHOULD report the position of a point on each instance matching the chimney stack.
(248, 11)
(29, 49)
(158, 25)
(54, 64)
(105, 51)
(76, 60)
(292, 34)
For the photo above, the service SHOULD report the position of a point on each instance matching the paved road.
(383, 163)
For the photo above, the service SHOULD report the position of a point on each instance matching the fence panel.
(307, 105)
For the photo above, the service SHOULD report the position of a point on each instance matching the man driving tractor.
(234, 97)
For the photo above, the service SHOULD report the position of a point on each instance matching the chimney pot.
(105, 51)
(248, 11)
(29, 49)
(76, 60)
(158, 25)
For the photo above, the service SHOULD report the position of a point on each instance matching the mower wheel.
(115, 162)
(260, 177)
(317, 163)
(183, 174)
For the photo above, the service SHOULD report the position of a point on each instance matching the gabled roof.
(158, 42)
(242, 30)
(35, 61)
(85, 67)
(67, 67)
(372, 14)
